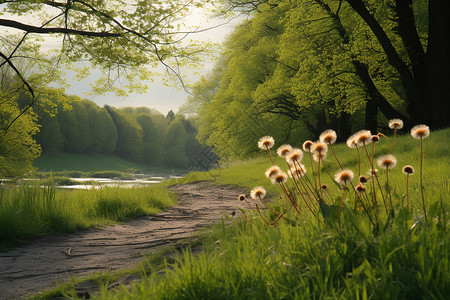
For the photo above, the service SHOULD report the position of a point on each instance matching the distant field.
(63, 161)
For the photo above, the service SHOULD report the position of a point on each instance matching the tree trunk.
(371, 117)
(438, 65)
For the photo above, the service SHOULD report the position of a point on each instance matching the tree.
(175, 148)
(152, 140)
(119, 37)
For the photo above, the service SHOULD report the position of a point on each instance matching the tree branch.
(49, 30)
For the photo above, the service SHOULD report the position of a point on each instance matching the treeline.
(139, 134)
(295, 68)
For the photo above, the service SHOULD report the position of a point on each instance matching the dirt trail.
(37, 266)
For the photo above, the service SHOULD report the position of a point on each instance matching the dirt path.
(38, 265)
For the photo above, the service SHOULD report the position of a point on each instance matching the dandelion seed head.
(395, 124)
(284, 150)
(408, 170)
(241, 197)
(307, 145)
(324, 187)
(279, 178)
(319, 147)
(258, 193)
(329, 136)
(351, 142)
(387, 161)
(343, 177)
(420, 131)
(296, 155)
(372, 172)
(272, 171)
(319, 155)
(266, 142)
(363, 137)
(297, 171)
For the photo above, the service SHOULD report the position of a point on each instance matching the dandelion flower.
(408, 170)
(258, 193)
(363, 179)
(241, 197)
(272, 171)
(279, 178)
(387, 161)
(299, 171)
(329, 136)
(307, 145)
(296, 155)
(284, 150)
(343, 177)
(395, 124)
(420, 131)
(319, 147)
(363, 137)
(320, 155)
(351, 143)
(266, 142)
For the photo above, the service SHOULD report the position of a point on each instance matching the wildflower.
(296, 155)
(387, 161)
(320, 155)
(319, 147)
(272, 171)
(372, 172)
(375, 138)
(241, 197)
(351, 143)
(395, 124)
(408, 170)
(266, 142)
(258, 192)
(360, 187)
(420, 131)
(329, 136)
(363, 179)
(307, 145)
(279, 178)
(299, 171)
(284, 150)
(344, 176)
(363, 137)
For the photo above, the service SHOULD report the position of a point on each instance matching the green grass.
(31, 211)
(303, 258)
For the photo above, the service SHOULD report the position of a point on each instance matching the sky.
(158, 96)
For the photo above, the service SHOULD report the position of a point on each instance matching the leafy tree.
(175, 149)
(49, 136)
(152, 140)
(18, 149)
(129, 134)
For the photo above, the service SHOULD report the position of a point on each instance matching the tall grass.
(29, 211)
(310, 256)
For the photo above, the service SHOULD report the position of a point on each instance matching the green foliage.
(17, 146)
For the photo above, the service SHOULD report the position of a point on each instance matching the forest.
(139, 134)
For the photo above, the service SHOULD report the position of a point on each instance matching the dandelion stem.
(340, 206)
(359, 161)
(290, 198)
(312, 168)
(267, 206)
(407, 190)
(389, 188)
(334, 154)
(421, 179)
(393, 139)
(268, 153)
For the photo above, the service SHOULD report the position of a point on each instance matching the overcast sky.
(158, 96)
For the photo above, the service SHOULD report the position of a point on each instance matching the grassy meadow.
(310, 256)
(30, 211)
